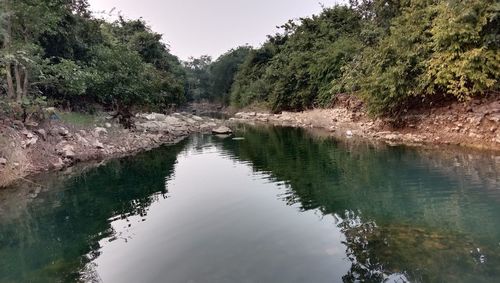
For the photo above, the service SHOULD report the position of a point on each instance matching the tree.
(198, 78)
(223, 71)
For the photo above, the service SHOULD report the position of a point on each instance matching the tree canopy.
(391, 53)
(394, 54)
(56, 50)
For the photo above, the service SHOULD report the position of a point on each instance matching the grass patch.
(79, 119)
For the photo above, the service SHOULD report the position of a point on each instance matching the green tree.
(198, 78)
(223, 71)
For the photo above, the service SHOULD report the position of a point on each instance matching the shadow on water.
(406, 214)
(52, 244)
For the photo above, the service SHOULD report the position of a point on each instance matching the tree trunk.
(10, 83)
(19, 88)
(26, 82)
(6, 45)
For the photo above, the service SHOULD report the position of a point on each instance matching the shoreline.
(31, 148)
(472, 125)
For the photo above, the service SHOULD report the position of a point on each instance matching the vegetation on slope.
(55, 51)
(394, 54)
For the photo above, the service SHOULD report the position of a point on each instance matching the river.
(271, 205)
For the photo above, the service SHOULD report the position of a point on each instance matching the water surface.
(276, 205)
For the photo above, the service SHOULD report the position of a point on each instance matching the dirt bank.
(55, 144)
(472, 124)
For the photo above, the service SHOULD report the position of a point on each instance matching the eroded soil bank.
(473, 124)
(54, 144)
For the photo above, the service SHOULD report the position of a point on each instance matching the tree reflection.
(403, 217)
(53, 238)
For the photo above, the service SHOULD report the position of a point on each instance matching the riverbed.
(268, 204)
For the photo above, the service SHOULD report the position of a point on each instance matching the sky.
(210, 27)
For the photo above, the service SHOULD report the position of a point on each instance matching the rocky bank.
(473, 124)
(53, 145)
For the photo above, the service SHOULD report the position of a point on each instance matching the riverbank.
(31, 148)
(473, 124)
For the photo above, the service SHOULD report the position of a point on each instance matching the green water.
(279, 205)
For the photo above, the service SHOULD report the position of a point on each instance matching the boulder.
(42, 133)
(97, 144)
(63, 131)
(83, 141)
(58, 164)
(32, 141)
(222, 130)
(154, 117)
(99, 130)
(67, 151)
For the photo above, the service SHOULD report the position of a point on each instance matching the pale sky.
(199, 27)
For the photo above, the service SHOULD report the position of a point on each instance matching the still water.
(275, 205)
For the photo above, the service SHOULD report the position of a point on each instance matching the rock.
(494, 118)
(197, 118)
(222, 130)
(475, 135)
(391, 137)
(27, 133)
(107, 125)
(189, 120)
(63, 132)
(32, 141)
(332, 129)
(97, 144)
(42, 133)
(99, 130)
(17, 124)
(3, 161)
(222, 136)
(67, 151)
(245, 115)
(58, 164)
(81, 139)
(31, 124)
(154, 117)
(349, 133)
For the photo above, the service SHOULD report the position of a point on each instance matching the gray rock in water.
(222, 130)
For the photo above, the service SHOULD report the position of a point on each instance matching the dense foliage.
(391, 53)
(55, 50)
(394, 54)
(213, 80)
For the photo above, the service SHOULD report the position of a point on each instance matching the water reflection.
(403, 211)
(52, 237)
(205, 210)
